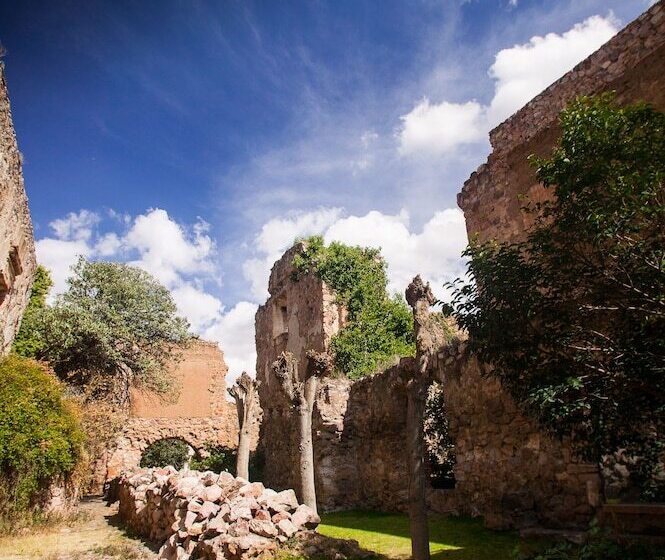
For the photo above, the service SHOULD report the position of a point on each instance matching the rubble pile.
(209, 516)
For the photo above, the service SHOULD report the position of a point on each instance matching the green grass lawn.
(451, 538)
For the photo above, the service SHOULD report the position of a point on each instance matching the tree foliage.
(165, 452)
(379, 327)
(573, 317)
(219, 459)
(115, 326)
(440, 446)
(40, 436)
(26, 344)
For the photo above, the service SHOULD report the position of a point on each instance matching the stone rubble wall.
(209, 516)
(17, 246)
(507, 469)
(632, 64)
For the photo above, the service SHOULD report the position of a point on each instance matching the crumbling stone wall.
(17, 247)
(632, 64)
(201, 415)
(507, 469)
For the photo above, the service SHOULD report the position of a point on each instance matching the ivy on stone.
(379, 327)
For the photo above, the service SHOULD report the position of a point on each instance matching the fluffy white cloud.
(201, 308)
(58, 255)
(438, 128)
(519, 72)
(75, 226)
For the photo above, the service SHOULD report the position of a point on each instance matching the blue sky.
(198, 139)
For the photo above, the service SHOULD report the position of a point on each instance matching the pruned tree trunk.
(244, 393)
(416, 397)
(300, 392)
(428, 338)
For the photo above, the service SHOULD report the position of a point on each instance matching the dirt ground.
(94, 535)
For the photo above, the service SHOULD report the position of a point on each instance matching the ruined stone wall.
(201, 416)
(297, 317)
(632, 64)
(508, 470)
(17, 247)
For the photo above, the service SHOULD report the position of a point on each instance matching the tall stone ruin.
(17, 246)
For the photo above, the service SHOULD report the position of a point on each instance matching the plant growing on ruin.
(40, 435)
(379, 327)
(244, 394)
(114, 327)
(164, 452)
(300, 389)
(572, 318)
(27, 343)
(219, 459)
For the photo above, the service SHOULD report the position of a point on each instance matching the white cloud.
(440, 127)
(58, 255)
(201, 308)
(519, 72)
(75, 226)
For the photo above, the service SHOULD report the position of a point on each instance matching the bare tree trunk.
(242, 458)
(416, 395)
(306, 446)
(244, 393)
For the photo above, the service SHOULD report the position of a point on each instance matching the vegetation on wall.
(219, 459)
(40, 436)
(26, 343)
(165, 452)
(114, 327)
(379, 327)
(573, 317)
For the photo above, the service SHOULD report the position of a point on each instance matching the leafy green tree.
(573, 317)
(26, 344)
(379, 327)
(219, 459)
(40, 436)
(114, 327)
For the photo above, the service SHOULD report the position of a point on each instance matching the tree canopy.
(572, 318)
(115, 326)
(379, 327)
(25, 343)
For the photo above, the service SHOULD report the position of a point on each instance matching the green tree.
(379, 327)
(165, 452)
(40, 437)
(114, 327)
(26, 344)
(573, 317)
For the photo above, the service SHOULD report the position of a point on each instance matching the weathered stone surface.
(165, 506)
(17, 246)
(202, 416)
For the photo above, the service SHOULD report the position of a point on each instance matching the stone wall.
(632, 64)
(508, 470)
(17, 247)
(201, 416)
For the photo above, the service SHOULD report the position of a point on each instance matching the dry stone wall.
(632, 64)
(17, 247)
(208, 515)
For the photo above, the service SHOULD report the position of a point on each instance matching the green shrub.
(219, 459)
(379, 327)
(440, 447)
(164, 452)
(40, 435)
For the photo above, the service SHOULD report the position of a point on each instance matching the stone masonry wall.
(632, 64)
(508, 470)
(201, 416)
(17, 247)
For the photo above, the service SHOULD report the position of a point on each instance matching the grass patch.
(451, 538)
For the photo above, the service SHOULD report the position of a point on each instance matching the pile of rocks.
(208, 515)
